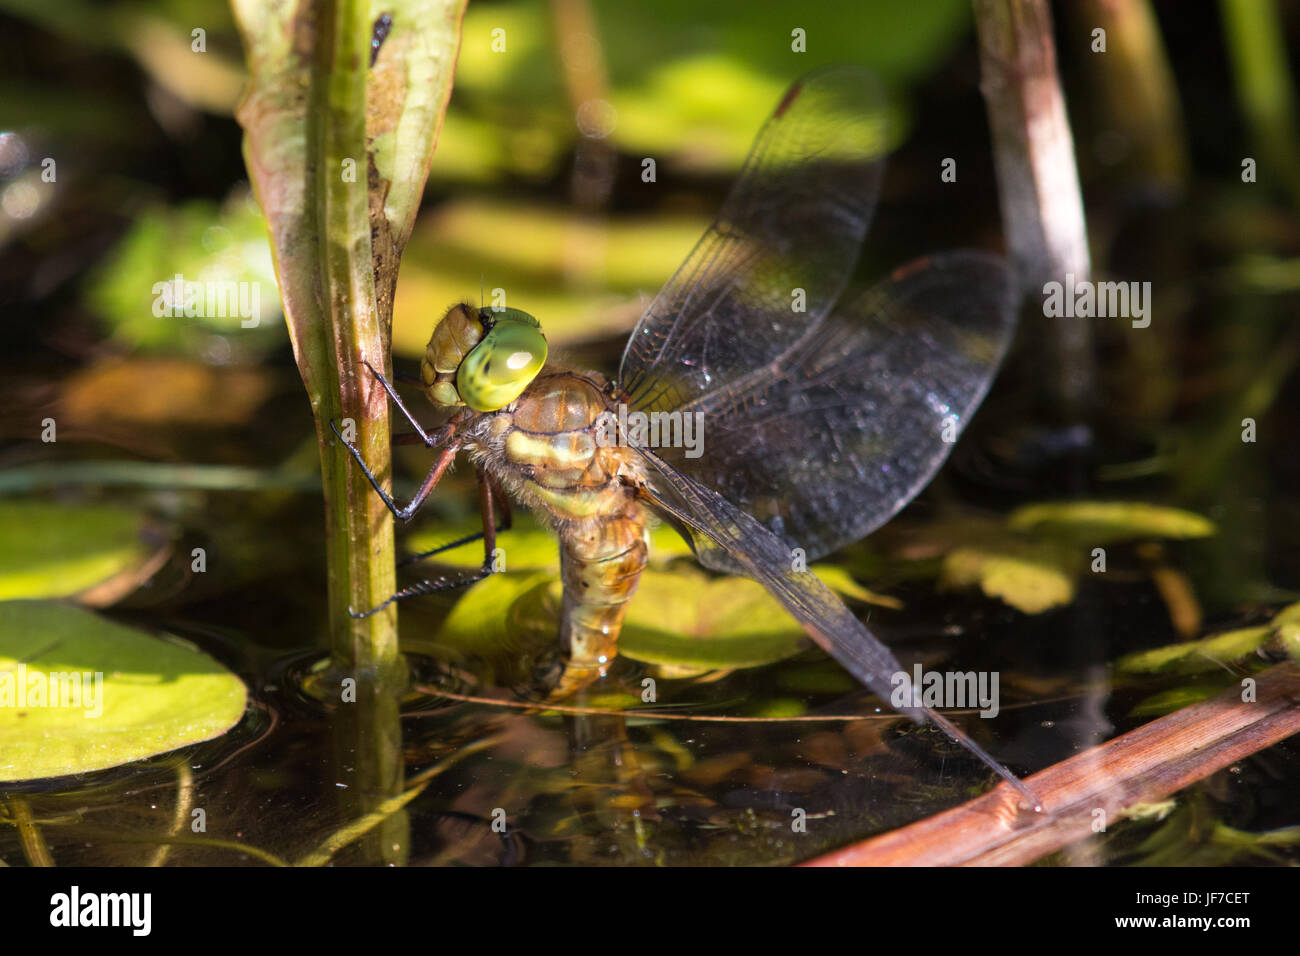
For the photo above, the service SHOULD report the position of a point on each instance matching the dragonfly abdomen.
(549, 455)
(601, 562)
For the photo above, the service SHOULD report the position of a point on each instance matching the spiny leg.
(451, 582)
(497, 502)
(429, 441)
(440, 466)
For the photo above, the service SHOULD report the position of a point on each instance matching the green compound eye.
(499, 368)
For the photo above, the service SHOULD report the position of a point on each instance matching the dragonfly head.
(482, 358)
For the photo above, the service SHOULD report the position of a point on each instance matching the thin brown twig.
(710, 718)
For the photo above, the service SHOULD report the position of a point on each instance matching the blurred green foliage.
(202, 242)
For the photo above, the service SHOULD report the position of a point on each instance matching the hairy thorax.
(545, 449)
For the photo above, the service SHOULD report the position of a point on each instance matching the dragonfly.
(819, 409)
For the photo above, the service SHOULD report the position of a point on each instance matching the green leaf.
(236, 310)
(496, 615)
(686, 618)
(681, 618)
(1101, 522)
(143, 696)
(58, 550)
(1176, 698)
(1191, 657)
(839, 580)
(1288, 638)
(1031, 576)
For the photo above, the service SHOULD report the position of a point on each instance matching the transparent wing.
(794, 220)
(712, 523)
(832, 437)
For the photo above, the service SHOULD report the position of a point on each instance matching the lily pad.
(98, 552)
(527, 546)
(122, 695)
(687, 618)
(1100, 522)
(681, 620)
(499, 614)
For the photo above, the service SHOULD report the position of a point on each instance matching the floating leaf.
(1288, 638)
(1191, 657)
(60, 550)
(123, 695)
(1101, 522)
(686, 618)
(1176, 698)
(1031, 576)
(839, 579)
(506, 621)
(527, 546)
(1288, 615)
(681, 618)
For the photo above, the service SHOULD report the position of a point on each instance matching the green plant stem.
(1256, 49)
(359, 529)
(29, 834)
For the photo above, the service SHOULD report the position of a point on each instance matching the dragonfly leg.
(428, 440)
(453, 581)
(492, 501)
(432, 586)
(440, 466)
(947, 726)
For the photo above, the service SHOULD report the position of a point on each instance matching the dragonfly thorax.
(482, 358)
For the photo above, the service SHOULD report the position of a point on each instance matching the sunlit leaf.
(1190, 657)
(136, 695)
(59, 550)
(1031, 576)
(1101, 522)
(228, 305)
(839, 579)
(504, 623)
(1288, 638)
(687, 618)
